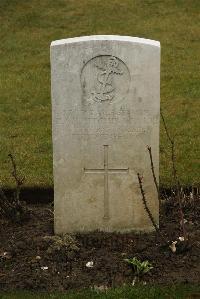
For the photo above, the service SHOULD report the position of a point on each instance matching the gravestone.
(106, 110)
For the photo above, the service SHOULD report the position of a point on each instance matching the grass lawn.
(178, 292)
(27, 29)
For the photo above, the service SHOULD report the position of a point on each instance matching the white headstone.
(106, 110)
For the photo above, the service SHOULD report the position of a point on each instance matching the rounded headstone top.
(106, 37)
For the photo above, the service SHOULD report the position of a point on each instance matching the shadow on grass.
(33, 194)
(46, 195)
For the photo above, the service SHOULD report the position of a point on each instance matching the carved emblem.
(104, 89)
(102, 77)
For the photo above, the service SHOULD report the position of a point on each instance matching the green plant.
(140, 268)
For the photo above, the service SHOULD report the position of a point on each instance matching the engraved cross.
(106, 171)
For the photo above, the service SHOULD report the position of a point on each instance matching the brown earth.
(31, 258)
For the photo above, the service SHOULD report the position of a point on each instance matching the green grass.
(174, 292)
(27, 29)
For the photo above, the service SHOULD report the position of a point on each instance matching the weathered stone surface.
(106, 110)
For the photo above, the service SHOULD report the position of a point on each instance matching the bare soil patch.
(31, 258)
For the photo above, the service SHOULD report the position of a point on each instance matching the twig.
(147, 208)
(2, 194)
(19, 181)
(12, 208)
(173, 157)
(153, 172)
(175, 176)
(166, 129)
(6, 207)
(3, 202)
